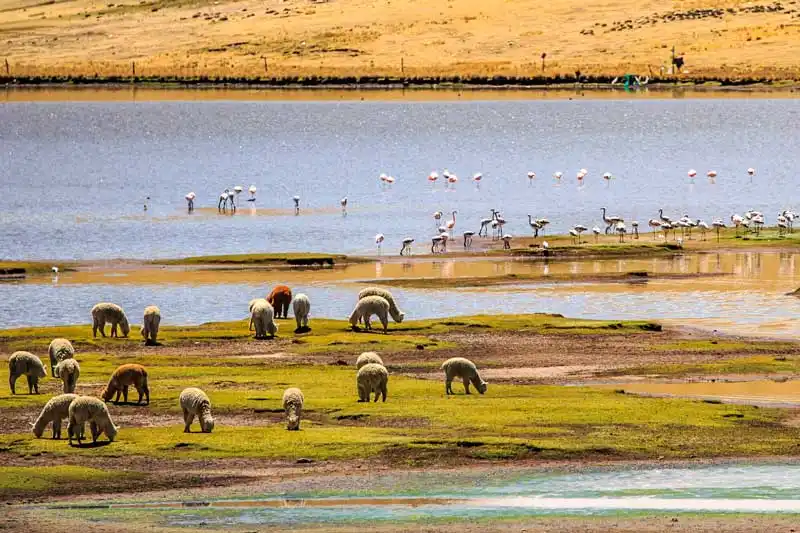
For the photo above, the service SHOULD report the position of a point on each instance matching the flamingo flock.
(660, 227)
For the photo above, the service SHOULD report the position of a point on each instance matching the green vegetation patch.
(18, 479)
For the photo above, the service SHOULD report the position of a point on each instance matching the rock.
(304, 460)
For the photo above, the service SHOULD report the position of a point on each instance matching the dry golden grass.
(229, 38)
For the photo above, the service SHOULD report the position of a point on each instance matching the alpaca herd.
(372, 376)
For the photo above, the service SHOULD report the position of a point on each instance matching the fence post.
(8, 69)
(133, 68)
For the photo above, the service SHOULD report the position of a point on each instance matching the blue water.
(478, 494)
(74, 176)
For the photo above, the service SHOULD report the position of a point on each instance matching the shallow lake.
(75, 175)
(748, 296)
(476, 494)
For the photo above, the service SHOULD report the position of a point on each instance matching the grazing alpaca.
(279, 299)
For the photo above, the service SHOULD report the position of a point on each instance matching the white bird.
(654, 225)
(575, 236)
(468, 239)
(596, 232)
(621, 230)
(531, 177)
(190, 201)
(54, 269)
(343, 203)
(718, 224)
(607, 176)
(252, 190)
(558, 175)
(545, 245)
(610, 220)
(407, 242)
(223, 200)
(238, 190)
(383, 177)
(507, 241)
(782, 224)
(450, 224)
(584, 171)
(635, 226)
(703, 228)
(389, 179)
(436, 244)
(737, 221)
(296, 200)
(535, 226)
(579, 228)
(379, 241)
(663, 217)
(432, 177)
(751, 171)
(580, 177)
(543, 222)
(484, 229)
(692, 173)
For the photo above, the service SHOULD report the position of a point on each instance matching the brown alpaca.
(122, 378)
(279, 299)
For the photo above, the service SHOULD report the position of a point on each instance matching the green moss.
(19, 479)
(8, 268)
(509, 421)
(762, 364)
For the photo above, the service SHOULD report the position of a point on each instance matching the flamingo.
(621, 230)
(343, 203)
(54, 269)
(692, 173)
(790, 216)
(507, 241)
(579, 228)
(607, 176)
(437, 216)
(635, 226)
(610, 221)
(383, 177)
(252, 190)
(711, 173)
(468, 239)
(296, 200)
(596, 232)
(580, 177)
(450, 224)
(500, 223)
(379, 241)
(432, 177)
(531, 177)
(666, 226)
(543, 222)
(703, 228)
(558, 176)
(445, 238)
(663, 217)
(477, 179)
(758, 220)
(584, 172)
(223, 200)
(452, 179)
(436, 244)
(407, 242)
(782, 224)
(190, 200)
(231, 195)
(654, 224)
(717, 225)
(389, 180)
(575, 236)
(484, 230)
(535, 226)
(751, 172)
(737, 221)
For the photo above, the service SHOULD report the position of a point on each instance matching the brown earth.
(291, 38)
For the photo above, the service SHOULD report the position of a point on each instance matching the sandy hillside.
(345, 37)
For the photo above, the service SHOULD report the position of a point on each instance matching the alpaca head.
(124, 326)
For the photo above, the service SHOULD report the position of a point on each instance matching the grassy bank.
(419, 424)
(24, 268)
